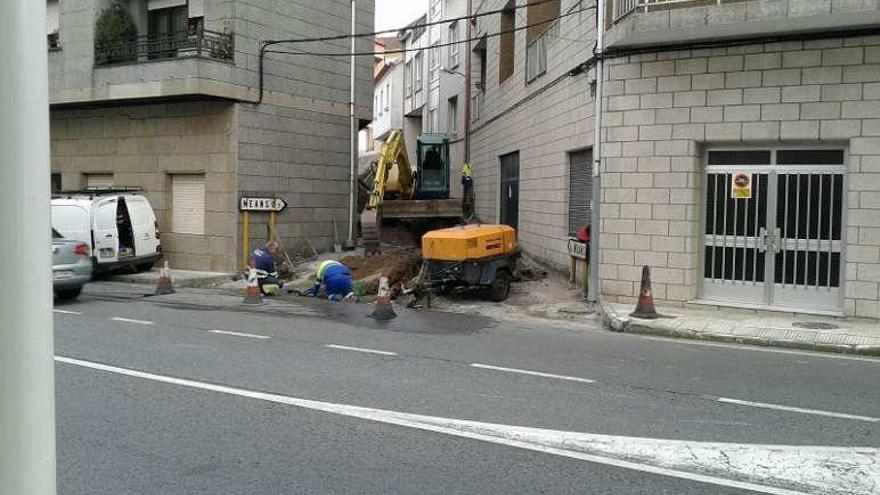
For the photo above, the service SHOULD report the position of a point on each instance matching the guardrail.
(202, 44)
(622, 8)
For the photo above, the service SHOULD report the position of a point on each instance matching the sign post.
(579, 251)
(246, 205)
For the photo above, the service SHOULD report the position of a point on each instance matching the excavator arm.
(394, 177)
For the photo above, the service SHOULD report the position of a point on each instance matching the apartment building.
(742, 153)
(387, 89)
(175, 107)
(532, 120)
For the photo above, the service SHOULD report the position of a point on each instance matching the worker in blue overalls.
(336, 279)
(267, 275)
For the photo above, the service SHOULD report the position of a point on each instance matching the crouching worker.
(336, 279)
(267, 274)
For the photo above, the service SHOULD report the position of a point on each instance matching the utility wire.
(414, 27)
(439, 45)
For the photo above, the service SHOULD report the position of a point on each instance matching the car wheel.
(500, 287)
(68, 294)
(144, 267)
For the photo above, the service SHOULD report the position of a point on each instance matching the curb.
(195, 283)
(616, 322)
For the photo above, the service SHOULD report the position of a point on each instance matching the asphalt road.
(125, 426)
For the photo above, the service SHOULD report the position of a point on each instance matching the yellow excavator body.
(468, 242)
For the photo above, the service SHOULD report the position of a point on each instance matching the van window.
(137, 210)
(106, 217)
(70, 220)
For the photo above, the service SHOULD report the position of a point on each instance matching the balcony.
(203, 44)
(641, 23)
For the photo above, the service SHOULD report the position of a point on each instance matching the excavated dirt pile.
(400, 265)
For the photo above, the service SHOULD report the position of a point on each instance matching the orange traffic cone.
(166, 284)
(253, 294)
(645, 308)
(383, 310)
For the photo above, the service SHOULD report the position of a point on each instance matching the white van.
(118, 224)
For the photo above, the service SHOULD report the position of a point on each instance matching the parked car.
(71, 266)
(118, 225)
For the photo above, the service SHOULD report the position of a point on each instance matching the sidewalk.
(182, 278)
(765, 328)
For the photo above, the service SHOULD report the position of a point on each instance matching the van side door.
(106, 233)
(143, 224)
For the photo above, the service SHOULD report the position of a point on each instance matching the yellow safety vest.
(323, 267)
(466, 170)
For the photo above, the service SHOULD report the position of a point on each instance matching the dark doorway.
(510, 189)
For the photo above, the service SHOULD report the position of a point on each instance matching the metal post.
(27, 390)
(468, 91)
(595, 217)
(352, 202)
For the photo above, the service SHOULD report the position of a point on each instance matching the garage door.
(99, 180)
(188, 203)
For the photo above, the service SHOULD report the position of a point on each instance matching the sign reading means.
(262, 204)
(742, 186)
(577, 249)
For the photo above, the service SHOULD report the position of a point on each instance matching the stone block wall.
(664, 108)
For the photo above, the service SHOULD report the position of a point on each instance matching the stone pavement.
(182, 278)
(757, 327)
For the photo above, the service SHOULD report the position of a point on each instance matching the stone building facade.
(182, 110)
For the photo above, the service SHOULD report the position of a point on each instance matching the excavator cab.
(433, 167)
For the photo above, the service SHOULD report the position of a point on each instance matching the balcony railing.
(202, 44)
(621, 8)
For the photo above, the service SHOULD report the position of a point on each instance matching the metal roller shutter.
(188, 203)
(580, 192)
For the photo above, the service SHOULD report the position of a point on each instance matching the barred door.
(774, 227)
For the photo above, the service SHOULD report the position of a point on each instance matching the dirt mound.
(399, 265)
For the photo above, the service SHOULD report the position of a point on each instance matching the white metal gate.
(774, 228)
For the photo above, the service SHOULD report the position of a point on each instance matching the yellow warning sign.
(742, 186)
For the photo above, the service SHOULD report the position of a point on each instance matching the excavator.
(396, 190)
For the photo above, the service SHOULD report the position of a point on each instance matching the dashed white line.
(532, 373)
(67, 312)
(239, 334)
(360, 349)
(801, 410)
(129, 320)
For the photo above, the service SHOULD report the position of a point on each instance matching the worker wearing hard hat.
(336, 279)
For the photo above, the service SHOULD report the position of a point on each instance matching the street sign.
(262, 204)
(577, 249)
(742, 186)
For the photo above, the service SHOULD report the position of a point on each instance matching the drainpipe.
(595, 218)
(27, 379)
(467, 85)
(352, 202)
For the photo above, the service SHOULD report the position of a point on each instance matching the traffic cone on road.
(253, 294)
(645, 307)
(383, 310)
(166, 284)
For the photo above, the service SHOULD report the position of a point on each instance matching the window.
(507, 43)
(536, 58)
(453, 46)
(166, 30)
(436, 8)
(388, 96)
(418, 71)
(434, 60)
(452, 115)
(56, 183)
(188, 203)
(407, 77)
(433, 121)
(480, 54)
(580, 190)
(381, 100)
(542, 18)
(53, 15)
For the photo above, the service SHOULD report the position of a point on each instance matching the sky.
(392, 14)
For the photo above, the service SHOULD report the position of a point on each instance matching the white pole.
(27, 394)
(353, 192)
(595, 217)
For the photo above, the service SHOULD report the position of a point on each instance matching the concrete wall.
(542, 123)
(302, 156)
(142, 145)
(664, 107)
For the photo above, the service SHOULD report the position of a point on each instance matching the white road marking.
(66, 312)
(360, 349)
(753, 348)
(129, 320)
(237, 334)
(772, 469)
(532, 373)
(817, 412)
